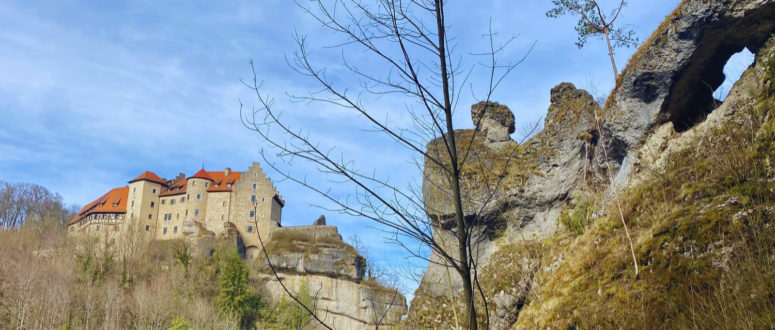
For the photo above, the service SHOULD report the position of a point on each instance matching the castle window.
(253, 198)
(262, 215)
(165, 231)
(255, 174)
(149, 216)
(153, 190)
(198, 196)
(182, 199)
(254, 186)
(224, 203)
(193, 183)
(262, 199)
(134, 190)
(172, 201)
(131, 215)
(152, 204)
(177, 216)
(133, 203)
(186, 212)
(250, 229)
(175, 230)
(162, 201)
(252, 214)
(206, 184)
(147, 228)
(196, 212)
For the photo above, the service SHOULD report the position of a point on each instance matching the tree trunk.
(611, 53)
(465, 267)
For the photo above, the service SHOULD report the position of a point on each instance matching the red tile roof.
(112, 202)
(223, 182)
(176, 188)
(202, 174)
(150, 176)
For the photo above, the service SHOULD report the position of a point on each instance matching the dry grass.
(703, 234)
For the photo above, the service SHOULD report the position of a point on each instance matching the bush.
(577, 219)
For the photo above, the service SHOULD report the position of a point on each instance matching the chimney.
(227, 171)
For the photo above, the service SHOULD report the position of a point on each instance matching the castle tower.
(143, 203)
(196, 195)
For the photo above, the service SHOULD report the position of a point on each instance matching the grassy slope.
(703, 236)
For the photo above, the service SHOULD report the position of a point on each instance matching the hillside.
(690, 177)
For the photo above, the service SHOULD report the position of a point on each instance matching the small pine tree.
(234, 297)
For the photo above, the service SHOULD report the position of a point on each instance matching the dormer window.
(228, 184)
(115, 204)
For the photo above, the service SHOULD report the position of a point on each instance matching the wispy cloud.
(92, 93)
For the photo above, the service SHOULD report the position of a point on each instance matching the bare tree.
(593, 23)
(416, 65)
(22, 203)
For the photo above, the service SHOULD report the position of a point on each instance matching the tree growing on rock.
(417, 66)
(593, 23)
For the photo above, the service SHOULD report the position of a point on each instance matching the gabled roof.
(202, 174)
(223, 182)
(112, 202)
(150, 176)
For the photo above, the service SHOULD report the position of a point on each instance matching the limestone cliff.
(333, 273)
(691, 176)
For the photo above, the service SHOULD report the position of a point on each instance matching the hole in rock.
(706, 85)
(733, 70)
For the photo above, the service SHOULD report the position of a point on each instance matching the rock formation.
(333, 273)
(660, 98)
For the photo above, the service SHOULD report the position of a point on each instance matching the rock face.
(664, 92)
(495, 121)
(334, 272)
(673, 75)
(342, 304)
(538, 177)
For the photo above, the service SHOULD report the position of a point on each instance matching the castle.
(157, 208)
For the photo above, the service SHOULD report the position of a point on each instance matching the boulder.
(493, 120)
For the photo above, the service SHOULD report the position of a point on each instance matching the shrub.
(577, 219)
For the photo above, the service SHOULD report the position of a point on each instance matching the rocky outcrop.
(511, 191)
(341, 304)
(664, 92)
(333, 273)
(495, 121)
(673, 75)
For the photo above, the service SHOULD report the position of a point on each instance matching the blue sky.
(92, 93)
